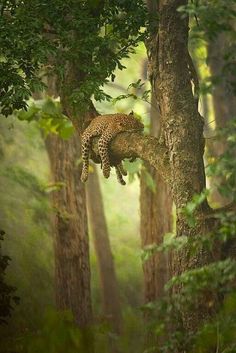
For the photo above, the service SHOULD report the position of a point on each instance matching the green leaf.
(49, 107)
(30, 114)
(66, 132)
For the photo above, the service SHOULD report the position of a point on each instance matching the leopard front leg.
(119, 175)
(121, 168)
(103, 152)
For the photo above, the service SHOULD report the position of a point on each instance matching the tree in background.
(71, 233)
(222, 76)
(224, 102)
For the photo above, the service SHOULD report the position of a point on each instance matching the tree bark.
(108, 279)
(181, 124)
(72, 270)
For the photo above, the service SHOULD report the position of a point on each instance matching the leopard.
(107, 127)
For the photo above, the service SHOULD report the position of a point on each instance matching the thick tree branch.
(135, 145)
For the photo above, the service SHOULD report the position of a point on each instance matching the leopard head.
(130, 123)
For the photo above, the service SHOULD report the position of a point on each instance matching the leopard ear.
(131, 113)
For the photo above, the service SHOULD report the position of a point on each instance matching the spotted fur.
(107, 127)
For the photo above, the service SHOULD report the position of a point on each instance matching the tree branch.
(135, 145)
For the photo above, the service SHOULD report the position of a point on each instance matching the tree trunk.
(70, 225)
(109, 285)
(224, 101)
(224, 104)
(72, 271)
(181, 130)
(156, 221)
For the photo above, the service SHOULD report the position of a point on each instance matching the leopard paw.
(106, 171)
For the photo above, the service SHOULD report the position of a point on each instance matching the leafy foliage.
(138, 92)
(192, 206)
(58, 334)
(207, 286)
(224, 166)
(49, 117)
(212, 16)
(25, 216)
(7, 297)
(37, 36)
(211, 19)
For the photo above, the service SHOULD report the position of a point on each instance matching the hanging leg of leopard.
(120, 172)
(85, 146)
(103, 145)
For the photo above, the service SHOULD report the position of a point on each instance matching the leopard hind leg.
(104, 154)
(86, 143)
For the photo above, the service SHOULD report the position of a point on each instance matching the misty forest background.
(27, 184)
(138, 268)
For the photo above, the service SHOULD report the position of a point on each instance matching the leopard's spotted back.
(106, 126)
